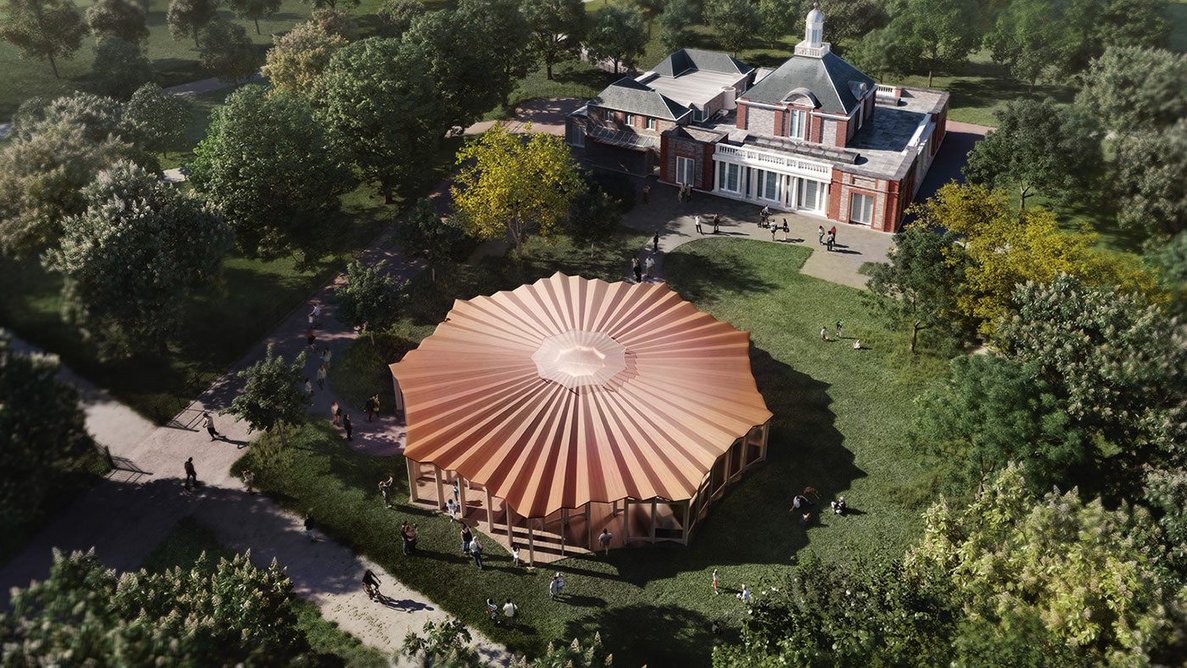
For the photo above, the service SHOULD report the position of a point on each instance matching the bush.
(620, 187)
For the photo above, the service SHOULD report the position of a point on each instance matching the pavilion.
(570, 405)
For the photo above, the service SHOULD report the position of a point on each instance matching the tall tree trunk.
(929, 78)
(257, 21)
(54, 65)
(914, 335)
(385, 189)
(1022, 195)
(548, 68)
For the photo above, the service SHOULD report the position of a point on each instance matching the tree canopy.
(225, 50)
(557, 28)
(186, 18)
(255, 9)
(734, 22)
(1131, 89)
(381, 110)
(676, 22)
(268, 165)
(396, 16)
(508, 185)
(918, 286)
(120, 67)
(618, 36)
(44, 442)
(49, 29)
(129, 261)
(124, 19)
(215, 613)
(297, 59)
(155, 119)
(273, 394)
(1151, 181)
(934, 34)
(368, 298)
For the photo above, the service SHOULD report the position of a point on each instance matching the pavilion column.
(729, 455)
(531, 545)
(437, 484)
(766, 430)
(687, 506)
(654, 506)
(589, 525)
(490, 512)
(412, 471)
(462, 484)
(626, 521)
(509, 517)
(399, 398)
(564, 516)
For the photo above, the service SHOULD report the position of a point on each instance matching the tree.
(735, 23)
(120, 67)
(49, 29)
(989, 412)
(1035, 148)
(213, 613)
(573, 655)
(1036, 39)
(1006, 247)
(130, 260)
(396, 16)
(39, 455)
(840, 614)
(846, 21)
(878, 53)
(426, 234)
(1150, 81)
(1092, 576)
(510, 186)
(42, 174)
(267, 164)
(617, 36)
(154, 119)
(557, 28)
(335, 22)
(97, 116)
(447, 643)
(1151, 181)
(381, 110)
(368, 298)
(273, 394)
(1130, 22)
(509, 36)
(467, 82)
(225, 50)
(934, 34)
(296, 61)
(594, 214)
(255, 9)
(676, 24)
(122, 19)
(335, 4)
(188, 17)
(918, 287)
(1118, 364)
(776, 20)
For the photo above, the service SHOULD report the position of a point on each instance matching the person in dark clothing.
(348, 427)
(637, 269)
(466, 538)
(191, 475)
(371, 585)
(655, 242)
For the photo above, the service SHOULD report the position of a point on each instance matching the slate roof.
(828, 77)
(703, 61)
(632, 97)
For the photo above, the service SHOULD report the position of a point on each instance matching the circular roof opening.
(579, 358)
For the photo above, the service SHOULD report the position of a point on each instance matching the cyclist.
(371, 585)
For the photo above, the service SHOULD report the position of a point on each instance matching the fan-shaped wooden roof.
(571, 390)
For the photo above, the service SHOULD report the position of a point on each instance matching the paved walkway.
(547, 116)
(126, 516)
(675, 222)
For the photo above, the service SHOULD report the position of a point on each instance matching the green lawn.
(190, 539)
(840, 421)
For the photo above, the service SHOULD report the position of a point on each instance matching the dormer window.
(629, 119)
(797, 124)
(649, 123)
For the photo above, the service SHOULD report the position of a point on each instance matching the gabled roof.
(831, 79)
(703, 61)
(632, 97)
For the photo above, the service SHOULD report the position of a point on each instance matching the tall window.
(798, 124)
(649, 123)
(575, 134)
(728, 177)
(861, 209)
(684, 169)
(810, 192)
(629, 119)
(768, 185)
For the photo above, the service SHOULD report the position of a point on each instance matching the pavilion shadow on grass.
(569, 406)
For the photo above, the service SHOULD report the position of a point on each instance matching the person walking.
(372, 406)
(832, 238)
(765, 215)
(515, 555)
(457, 496)
(371, 585)
(716, 222)
(476, 552)
(637, 270)
(744, 595)
(492, 610)
(310, 337)
(315, 315)
(335, 413)
(556, 586)
(510, 610)
(716, 583)
(326, 355)
(309, 533)
(308, 389)
(774, 228)
(385, 490)
(214, 435)
(249, 479)
(348, 427)
(838, 329)
(786, 231)
(604, 538)
(697, 223)
(451, 509)
(321, 376)
(466, 538)
(646, 193)
(824, 333)
(820, 235)
(191, 474)
(655, 242)
(649, 267)
(406, 538)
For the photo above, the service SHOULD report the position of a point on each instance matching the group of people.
(685, 194)
(340, 418)
(824, 335)
(715, 221)
(509, 610)
(409, 535)
(645, 270)
(826, 239)
(801, 504)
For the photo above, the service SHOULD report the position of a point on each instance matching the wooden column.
(766, 430)
(589, 525)
(531, 545)
(725, 479)
(654, 505)
(564, 516)
(687, 505)
(507, 510)
(440, 486)
(461, 490)
(490, 512)
(412, 467)
(626, 521)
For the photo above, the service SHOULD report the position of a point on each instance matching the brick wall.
(761, 121)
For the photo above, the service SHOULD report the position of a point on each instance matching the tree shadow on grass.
(658, 635)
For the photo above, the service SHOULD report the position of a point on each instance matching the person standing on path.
(191, 474)
(786, 231)
(309, 390)
(655, 243)
(372, 406)
(716, 583)
(820, 235)
(335, 413)
(310, 337)
(321, 376)
(309, 528)
(249, 479)
(348, 427)
(385, 490)
(604, 538)
(697, 222)
(774, 228)
(716, 222)
(466, 538)
(637, 270)
(476, 552)
(214, 435)
(649, 267)
(451, 508)
(326, 355)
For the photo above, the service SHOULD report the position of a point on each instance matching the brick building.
(815, 135)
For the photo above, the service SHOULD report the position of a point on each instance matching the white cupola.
(813, 45)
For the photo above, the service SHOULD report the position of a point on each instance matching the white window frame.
(629, 119)
(866, 211)
(768, 180)
(685, 170)
(649, 123)
(797, 124)
(723, 178)
(801, 197)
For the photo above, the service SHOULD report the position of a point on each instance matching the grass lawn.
(840, 421)
(190, 539)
